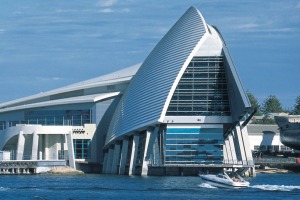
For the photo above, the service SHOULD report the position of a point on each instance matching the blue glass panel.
(194, 145)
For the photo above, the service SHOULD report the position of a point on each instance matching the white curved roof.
(117, 77)
(147, 97)
(65, 101)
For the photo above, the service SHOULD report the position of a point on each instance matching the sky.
(45, 45)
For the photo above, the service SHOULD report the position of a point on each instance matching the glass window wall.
(194, 146)
(202, 90)
(58, 117)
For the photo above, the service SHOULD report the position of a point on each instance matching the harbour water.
(94, 186)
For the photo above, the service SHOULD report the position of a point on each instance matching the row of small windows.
(2, 125)
(53, 117)
(194, 160)
(203, 75)
(201, 96)
(202, 86)
(59, 117)
(198, 108)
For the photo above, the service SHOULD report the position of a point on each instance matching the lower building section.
(178, 149)
(193, 144)
(49, 143)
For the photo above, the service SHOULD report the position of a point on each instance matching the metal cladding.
(147, 96)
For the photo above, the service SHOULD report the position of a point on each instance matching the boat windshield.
(221, 176)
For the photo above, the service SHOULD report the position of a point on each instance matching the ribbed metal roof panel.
(145, 97)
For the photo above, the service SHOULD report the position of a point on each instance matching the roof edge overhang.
(234, 71)
(55, 92)
(73, 100)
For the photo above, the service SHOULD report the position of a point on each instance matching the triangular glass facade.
(202, 90)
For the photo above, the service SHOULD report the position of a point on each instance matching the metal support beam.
(232, 148)
(244, 133)
(145, 161)
(239, 139)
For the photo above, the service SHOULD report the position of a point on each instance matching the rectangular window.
(2, 125)
(81, 148)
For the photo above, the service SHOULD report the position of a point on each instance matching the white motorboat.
(225, 180)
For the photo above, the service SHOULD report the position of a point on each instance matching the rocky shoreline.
(64, 170)
(273, 171)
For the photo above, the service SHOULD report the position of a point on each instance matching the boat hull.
(291, 138)
(223, 183)
(289, 132)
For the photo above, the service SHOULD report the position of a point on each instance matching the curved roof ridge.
(153, 81)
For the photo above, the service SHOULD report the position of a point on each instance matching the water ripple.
(284, 188)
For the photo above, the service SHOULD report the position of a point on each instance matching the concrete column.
(109, 160)
(35, 145)
(123, 158)
(46, 151)
(62, 146)
(116, 159)
(238, 134)
(42, 146)
(104, 163)
(135, 145)
(228, 151)
(20, 147)
(153, 138)
(71, 150)
(232, 148)
(145, 161)
(245, 137)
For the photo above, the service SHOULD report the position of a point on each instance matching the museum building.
(183, 107)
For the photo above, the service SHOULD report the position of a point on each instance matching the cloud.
(2, 30)
(106, 10)
(110, 10)
(280, 30)
(108, 6)
(247, 26)
(125, 10)
(298, 5)
(49, 78)
(106, 3)
(270, 30)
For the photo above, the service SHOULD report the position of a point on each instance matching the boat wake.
(206, 185)
(285, 188)
(3, 189)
